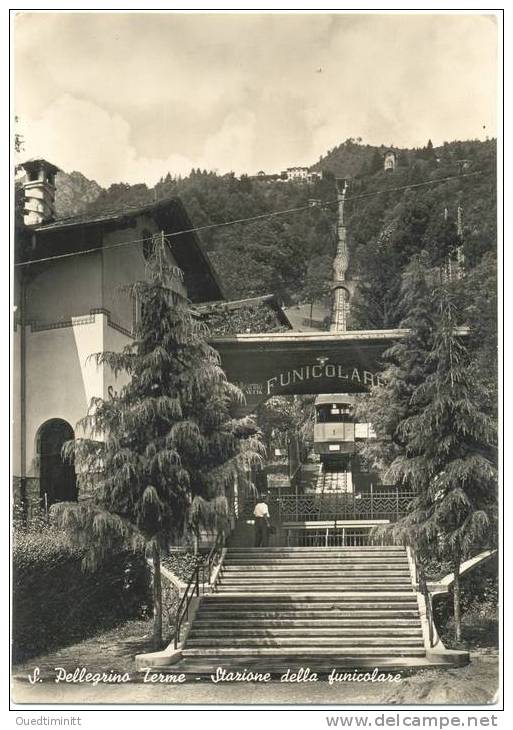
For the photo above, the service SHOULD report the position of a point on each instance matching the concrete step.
(284, 571)
(317, 562)
(311, 588)
(318, 549)
(359, 548)
(300, 568)
(354, 615)
(314, 554)
(311, 576)
(198, 631)
(341, 587)
(276, 602)
(292, 621)
(306, 641)
(316, 557)
(281, 580)
(343, 652)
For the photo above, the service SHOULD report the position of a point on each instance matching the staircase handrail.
(420, 579)
(203, 564)
(192, 589)
(443, 585)
(214, 556)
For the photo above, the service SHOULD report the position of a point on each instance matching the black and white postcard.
(255, 382)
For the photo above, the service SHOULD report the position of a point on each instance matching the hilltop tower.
(390, 160)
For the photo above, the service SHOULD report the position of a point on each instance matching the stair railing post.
(397, 503)
(371, 501)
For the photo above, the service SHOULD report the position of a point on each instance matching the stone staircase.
(345, 603)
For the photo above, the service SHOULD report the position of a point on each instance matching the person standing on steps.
(262, 522)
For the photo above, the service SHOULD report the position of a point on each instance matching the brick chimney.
(39, 189)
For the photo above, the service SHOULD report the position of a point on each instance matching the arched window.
(58, 482)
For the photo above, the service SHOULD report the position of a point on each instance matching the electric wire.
(250, 219)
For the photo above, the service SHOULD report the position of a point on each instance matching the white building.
(69, 303)
(301, 174)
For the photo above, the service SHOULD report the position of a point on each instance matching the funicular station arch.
(332, 501)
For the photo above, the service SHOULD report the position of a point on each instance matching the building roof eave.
(171, 214)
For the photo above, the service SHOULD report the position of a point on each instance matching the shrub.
(181, 563)
(55, 602)
(35, 521)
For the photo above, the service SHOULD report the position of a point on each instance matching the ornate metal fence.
(377, 504)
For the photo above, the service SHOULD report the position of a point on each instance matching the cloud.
(129, 96)
(234, 141)
(77, 134)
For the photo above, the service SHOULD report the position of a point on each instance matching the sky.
(128, 97)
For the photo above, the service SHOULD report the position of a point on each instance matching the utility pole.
(460, 256)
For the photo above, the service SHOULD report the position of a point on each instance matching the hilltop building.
(263, 176)
(291, 174)
(300, 174)
(390, 160)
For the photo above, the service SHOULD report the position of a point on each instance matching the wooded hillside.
(388, 218)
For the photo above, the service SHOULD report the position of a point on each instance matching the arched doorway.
(57, 477)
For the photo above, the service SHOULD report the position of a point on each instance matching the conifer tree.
(429, 151)
(449, 456)
(164, 452)
(405, 368)
(479, 305)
